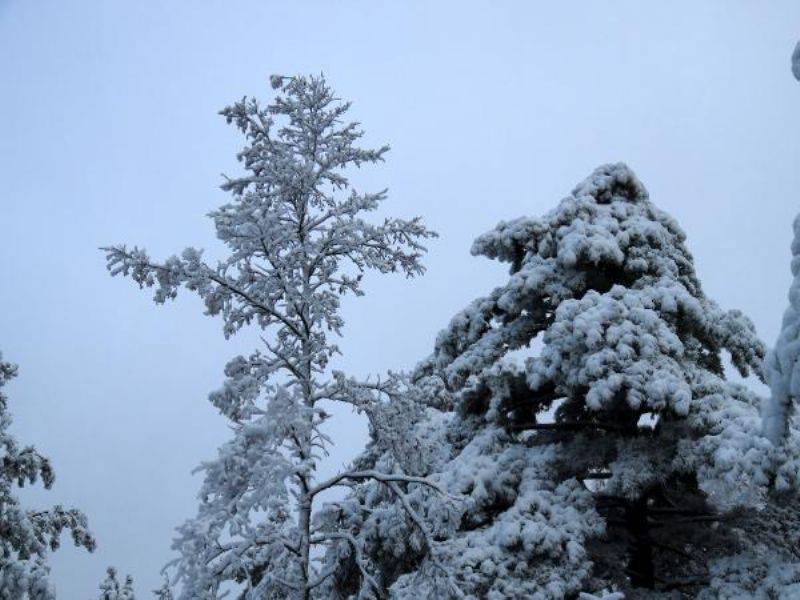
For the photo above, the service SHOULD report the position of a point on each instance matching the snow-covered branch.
(783, 362)
(376, 476)
(358, 556)
(28, 536)
(426, 535)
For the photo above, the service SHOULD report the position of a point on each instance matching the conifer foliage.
(165, 591)
(112, 589)
(26, 535)
(297, 243)
(581, 411)
(783, 362)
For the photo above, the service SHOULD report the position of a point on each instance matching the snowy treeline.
(572, 434)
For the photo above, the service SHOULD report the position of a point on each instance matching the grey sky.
(493, 110)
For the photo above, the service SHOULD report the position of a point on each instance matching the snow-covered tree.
(783, 362)
(27, 535)
(298, 242)
(112, 589)
(126, 593)
(582, 412)
(165, 591)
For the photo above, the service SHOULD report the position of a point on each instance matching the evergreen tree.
(111, 589)
(298, 243)
(165, 591)
(582, 412)
(783, 362)
(127, 589)
(26, 536)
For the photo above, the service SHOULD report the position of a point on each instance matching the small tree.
(298, 244)
(26, 536)
(165, 591)
(582, 411)
(111, 589)
(127, 589)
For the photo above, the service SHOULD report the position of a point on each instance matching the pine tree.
(111, 589)
(581, 410)
(165, 591)
(127, 589)
(298, 243)
(27, 535)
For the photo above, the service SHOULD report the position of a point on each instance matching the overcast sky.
(493, 110)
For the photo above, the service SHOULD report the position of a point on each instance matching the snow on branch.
(783, 362)
(297, 241)
(377, 476)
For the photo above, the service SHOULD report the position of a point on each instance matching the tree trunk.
(304, 518)
(640, 563)
(304, 523)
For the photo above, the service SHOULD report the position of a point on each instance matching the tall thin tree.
(298, 243)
